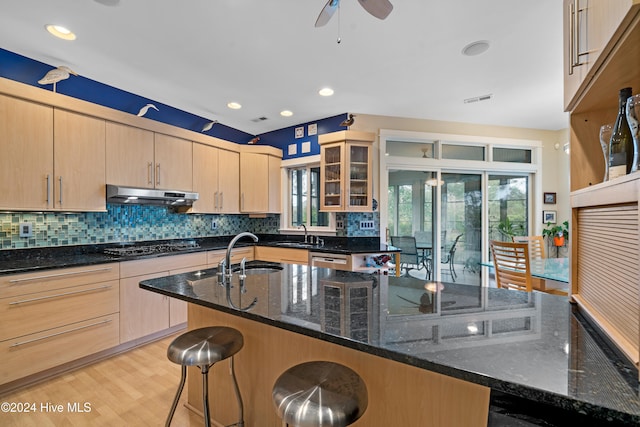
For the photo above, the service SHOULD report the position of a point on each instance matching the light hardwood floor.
(135, 388)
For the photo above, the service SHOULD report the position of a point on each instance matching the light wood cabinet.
(605, 244)
(286, 255)
(237, 253)
(346, 171)
(52, 159)
(142, 312)
(79, 162)
(26, 163)
(140, 158)
(588, 27)
(74, 309)
(216, 179)
(259, 183)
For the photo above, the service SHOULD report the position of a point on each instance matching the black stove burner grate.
(160, 248)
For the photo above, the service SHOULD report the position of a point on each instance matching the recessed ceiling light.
(326, 91)
(61, 32)
(475, 48)
(234, 105)
(286, 113)
(110, 3)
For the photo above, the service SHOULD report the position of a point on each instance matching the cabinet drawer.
(287, 255)
(29, 283)
(27, 314)
(165, 263)
(35, 353)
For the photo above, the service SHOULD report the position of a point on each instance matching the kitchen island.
(430, 353)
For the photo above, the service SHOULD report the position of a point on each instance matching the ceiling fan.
(378, 8)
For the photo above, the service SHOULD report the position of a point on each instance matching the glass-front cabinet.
(346, 171)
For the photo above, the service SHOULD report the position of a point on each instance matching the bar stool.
(203, 348)
(319, 394)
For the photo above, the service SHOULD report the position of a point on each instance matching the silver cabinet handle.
(19, 343)
(149, 169)
(60, 198)
(48, 189)
(157, 173)
(49, 276)
(64, 294)
(215, 200)
(242, 202)
(221, 199)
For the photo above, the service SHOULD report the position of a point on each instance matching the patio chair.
(448, 257)
(410, 256)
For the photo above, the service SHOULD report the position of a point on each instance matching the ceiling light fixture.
(286, 113)
(475, 48)
(60, 32)
(234, 105)
(325, 91)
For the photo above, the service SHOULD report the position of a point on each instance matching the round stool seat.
(205, 346)
(320, 393)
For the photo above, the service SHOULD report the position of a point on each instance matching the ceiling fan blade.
(327, 13)
(378, 8)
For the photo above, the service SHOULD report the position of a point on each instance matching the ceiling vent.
(478, 99)
(259, 119)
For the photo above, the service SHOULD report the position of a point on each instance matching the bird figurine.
(254, 140)
(348, 122)
(209, 125)
(57, 74)
(145, 109)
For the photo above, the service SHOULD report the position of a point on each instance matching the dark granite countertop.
(535, 347)
(15, 261)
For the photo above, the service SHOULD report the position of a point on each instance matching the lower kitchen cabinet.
(53, 317)
(286, 255)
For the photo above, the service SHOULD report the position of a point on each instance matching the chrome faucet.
(305, 231)
(226, 278)
(233, 241)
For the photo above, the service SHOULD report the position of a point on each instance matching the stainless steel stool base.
(319, 394)
(203, 348)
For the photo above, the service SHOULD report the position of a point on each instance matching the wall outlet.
(214, 224)
(367, 225)
(26, 229)
(339, 224)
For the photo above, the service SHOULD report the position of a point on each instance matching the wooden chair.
(536, 245)
(410, 255)
(511, 262)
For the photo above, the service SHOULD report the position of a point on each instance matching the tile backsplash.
(122, 223)
(134, 223)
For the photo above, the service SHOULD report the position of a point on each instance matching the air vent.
(478, 99)
(259, 119)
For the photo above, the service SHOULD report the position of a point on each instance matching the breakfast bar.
(430, 353)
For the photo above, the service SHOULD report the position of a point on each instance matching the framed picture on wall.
(549, 217)
(549, 198)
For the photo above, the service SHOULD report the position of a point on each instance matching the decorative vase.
(558, 240)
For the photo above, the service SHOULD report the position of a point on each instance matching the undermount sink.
(259, 269)
(301, 245)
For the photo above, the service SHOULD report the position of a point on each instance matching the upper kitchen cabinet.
(346, 171)
(216, 179)
(141, 158)
(26, 163)
(52, 159)
(588, 27)
(260, 179)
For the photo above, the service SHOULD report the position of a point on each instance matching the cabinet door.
(141, 312)
(254, 182)
(26, 163)
(228, 182)
(129, 156)
(331, 177)
(173, 163)
(274, 185)
(205, 178)
(588, 27)
(79, 162)
(359, 179)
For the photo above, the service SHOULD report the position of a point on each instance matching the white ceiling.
(198, 55)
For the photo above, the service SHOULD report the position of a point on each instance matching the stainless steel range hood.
(146, 196)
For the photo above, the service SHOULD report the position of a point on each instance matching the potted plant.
(557, 234)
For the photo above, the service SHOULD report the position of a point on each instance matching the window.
(305, 198)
